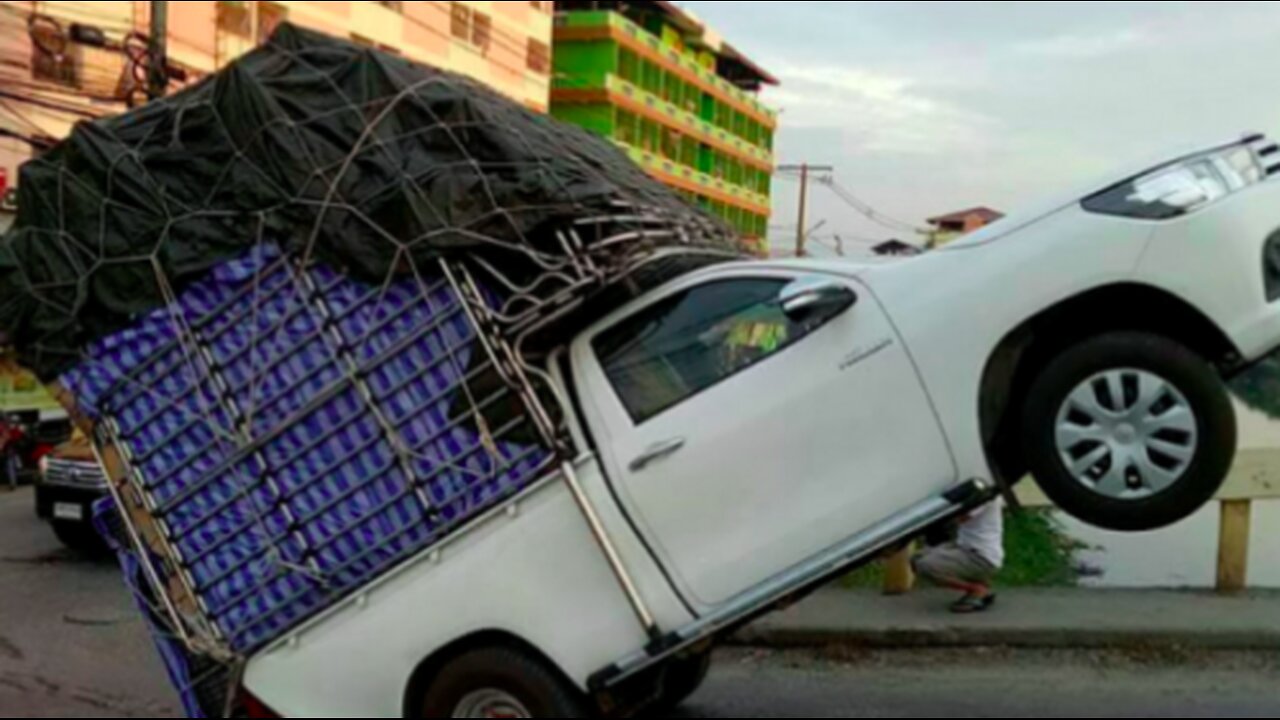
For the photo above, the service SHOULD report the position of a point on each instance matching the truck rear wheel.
(681, 680)
(500, 683)
(80, 539)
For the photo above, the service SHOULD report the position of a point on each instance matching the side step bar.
(804, 577)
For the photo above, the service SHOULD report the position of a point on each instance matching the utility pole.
(805, 169)
(158, 77)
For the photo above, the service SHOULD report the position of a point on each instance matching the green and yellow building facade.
(682, 102)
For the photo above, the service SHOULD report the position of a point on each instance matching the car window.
(687, 343)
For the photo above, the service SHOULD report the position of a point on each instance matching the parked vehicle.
(754, 429)
(25, 439)
(71, 481)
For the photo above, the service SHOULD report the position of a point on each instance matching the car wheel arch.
(1019, 357)
(422, 675)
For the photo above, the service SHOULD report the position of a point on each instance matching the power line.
(49, 104)
(867, 211)
(75, 14)
(36, 142)
(18, 115)
(849, 238)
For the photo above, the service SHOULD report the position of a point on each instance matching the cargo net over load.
(299, 306)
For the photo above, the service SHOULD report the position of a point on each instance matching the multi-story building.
(679, 99)
(62, 62)
(504, 44)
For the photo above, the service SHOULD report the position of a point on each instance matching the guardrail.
(1255, 477)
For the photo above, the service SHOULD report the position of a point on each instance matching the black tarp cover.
(336, 152)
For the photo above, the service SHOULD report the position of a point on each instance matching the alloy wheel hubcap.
(490, 704)
(1127, 434)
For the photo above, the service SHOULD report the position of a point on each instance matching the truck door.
(751, 420)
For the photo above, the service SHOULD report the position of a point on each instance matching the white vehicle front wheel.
(1129, 431)
(1127, 434)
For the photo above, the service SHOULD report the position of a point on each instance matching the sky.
(930, 107)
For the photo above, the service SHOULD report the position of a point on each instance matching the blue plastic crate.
(297, 433)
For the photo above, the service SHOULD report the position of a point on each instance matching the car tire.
(1129, 431)
(501, 682)
(681, 680)
(80, 539)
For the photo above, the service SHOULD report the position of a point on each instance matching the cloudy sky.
(927, 107)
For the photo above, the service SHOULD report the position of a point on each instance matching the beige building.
(63, 62)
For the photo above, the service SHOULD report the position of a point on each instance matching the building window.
(461, 21)
(52, 56)
(671, 140)
(481, 30)
(472, 26)
(629, 66)
(539, 58)
(627, 132)
(235, 18)
(60, 68)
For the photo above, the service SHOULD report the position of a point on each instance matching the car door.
(744, 435)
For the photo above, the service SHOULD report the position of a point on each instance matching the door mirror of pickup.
(813, 301)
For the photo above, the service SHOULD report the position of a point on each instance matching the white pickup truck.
(752, 430)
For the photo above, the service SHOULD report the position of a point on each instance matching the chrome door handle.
(657, 452)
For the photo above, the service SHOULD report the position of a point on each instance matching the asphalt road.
(991, 684)
(70, 646)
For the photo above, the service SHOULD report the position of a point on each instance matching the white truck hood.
(1038, 211)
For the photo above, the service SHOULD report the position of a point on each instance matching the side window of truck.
(689, 342)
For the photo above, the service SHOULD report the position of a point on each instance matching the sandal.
(971, 604)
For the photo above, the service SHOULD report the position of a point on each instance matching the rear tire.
(1129, 431)
(681, 680)
(501, 682)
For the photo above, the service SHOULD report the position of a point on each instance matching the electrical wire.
(866, 210)
(50, 105)
(18, 115)
(75, 13)
(35, 142)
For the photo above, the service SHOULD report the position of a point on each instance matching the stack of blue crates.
(297, 433)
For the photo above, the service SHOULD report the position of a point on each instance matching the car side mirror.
(816, 300)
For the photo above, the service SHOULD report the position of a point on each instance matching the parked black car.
(71, 481)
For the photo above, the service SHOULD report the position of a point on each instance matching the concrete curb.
(1031, 639)
(1034, 619)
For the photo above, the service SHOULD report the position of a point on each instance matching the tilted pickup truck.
(413, 402)
(752, 430)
